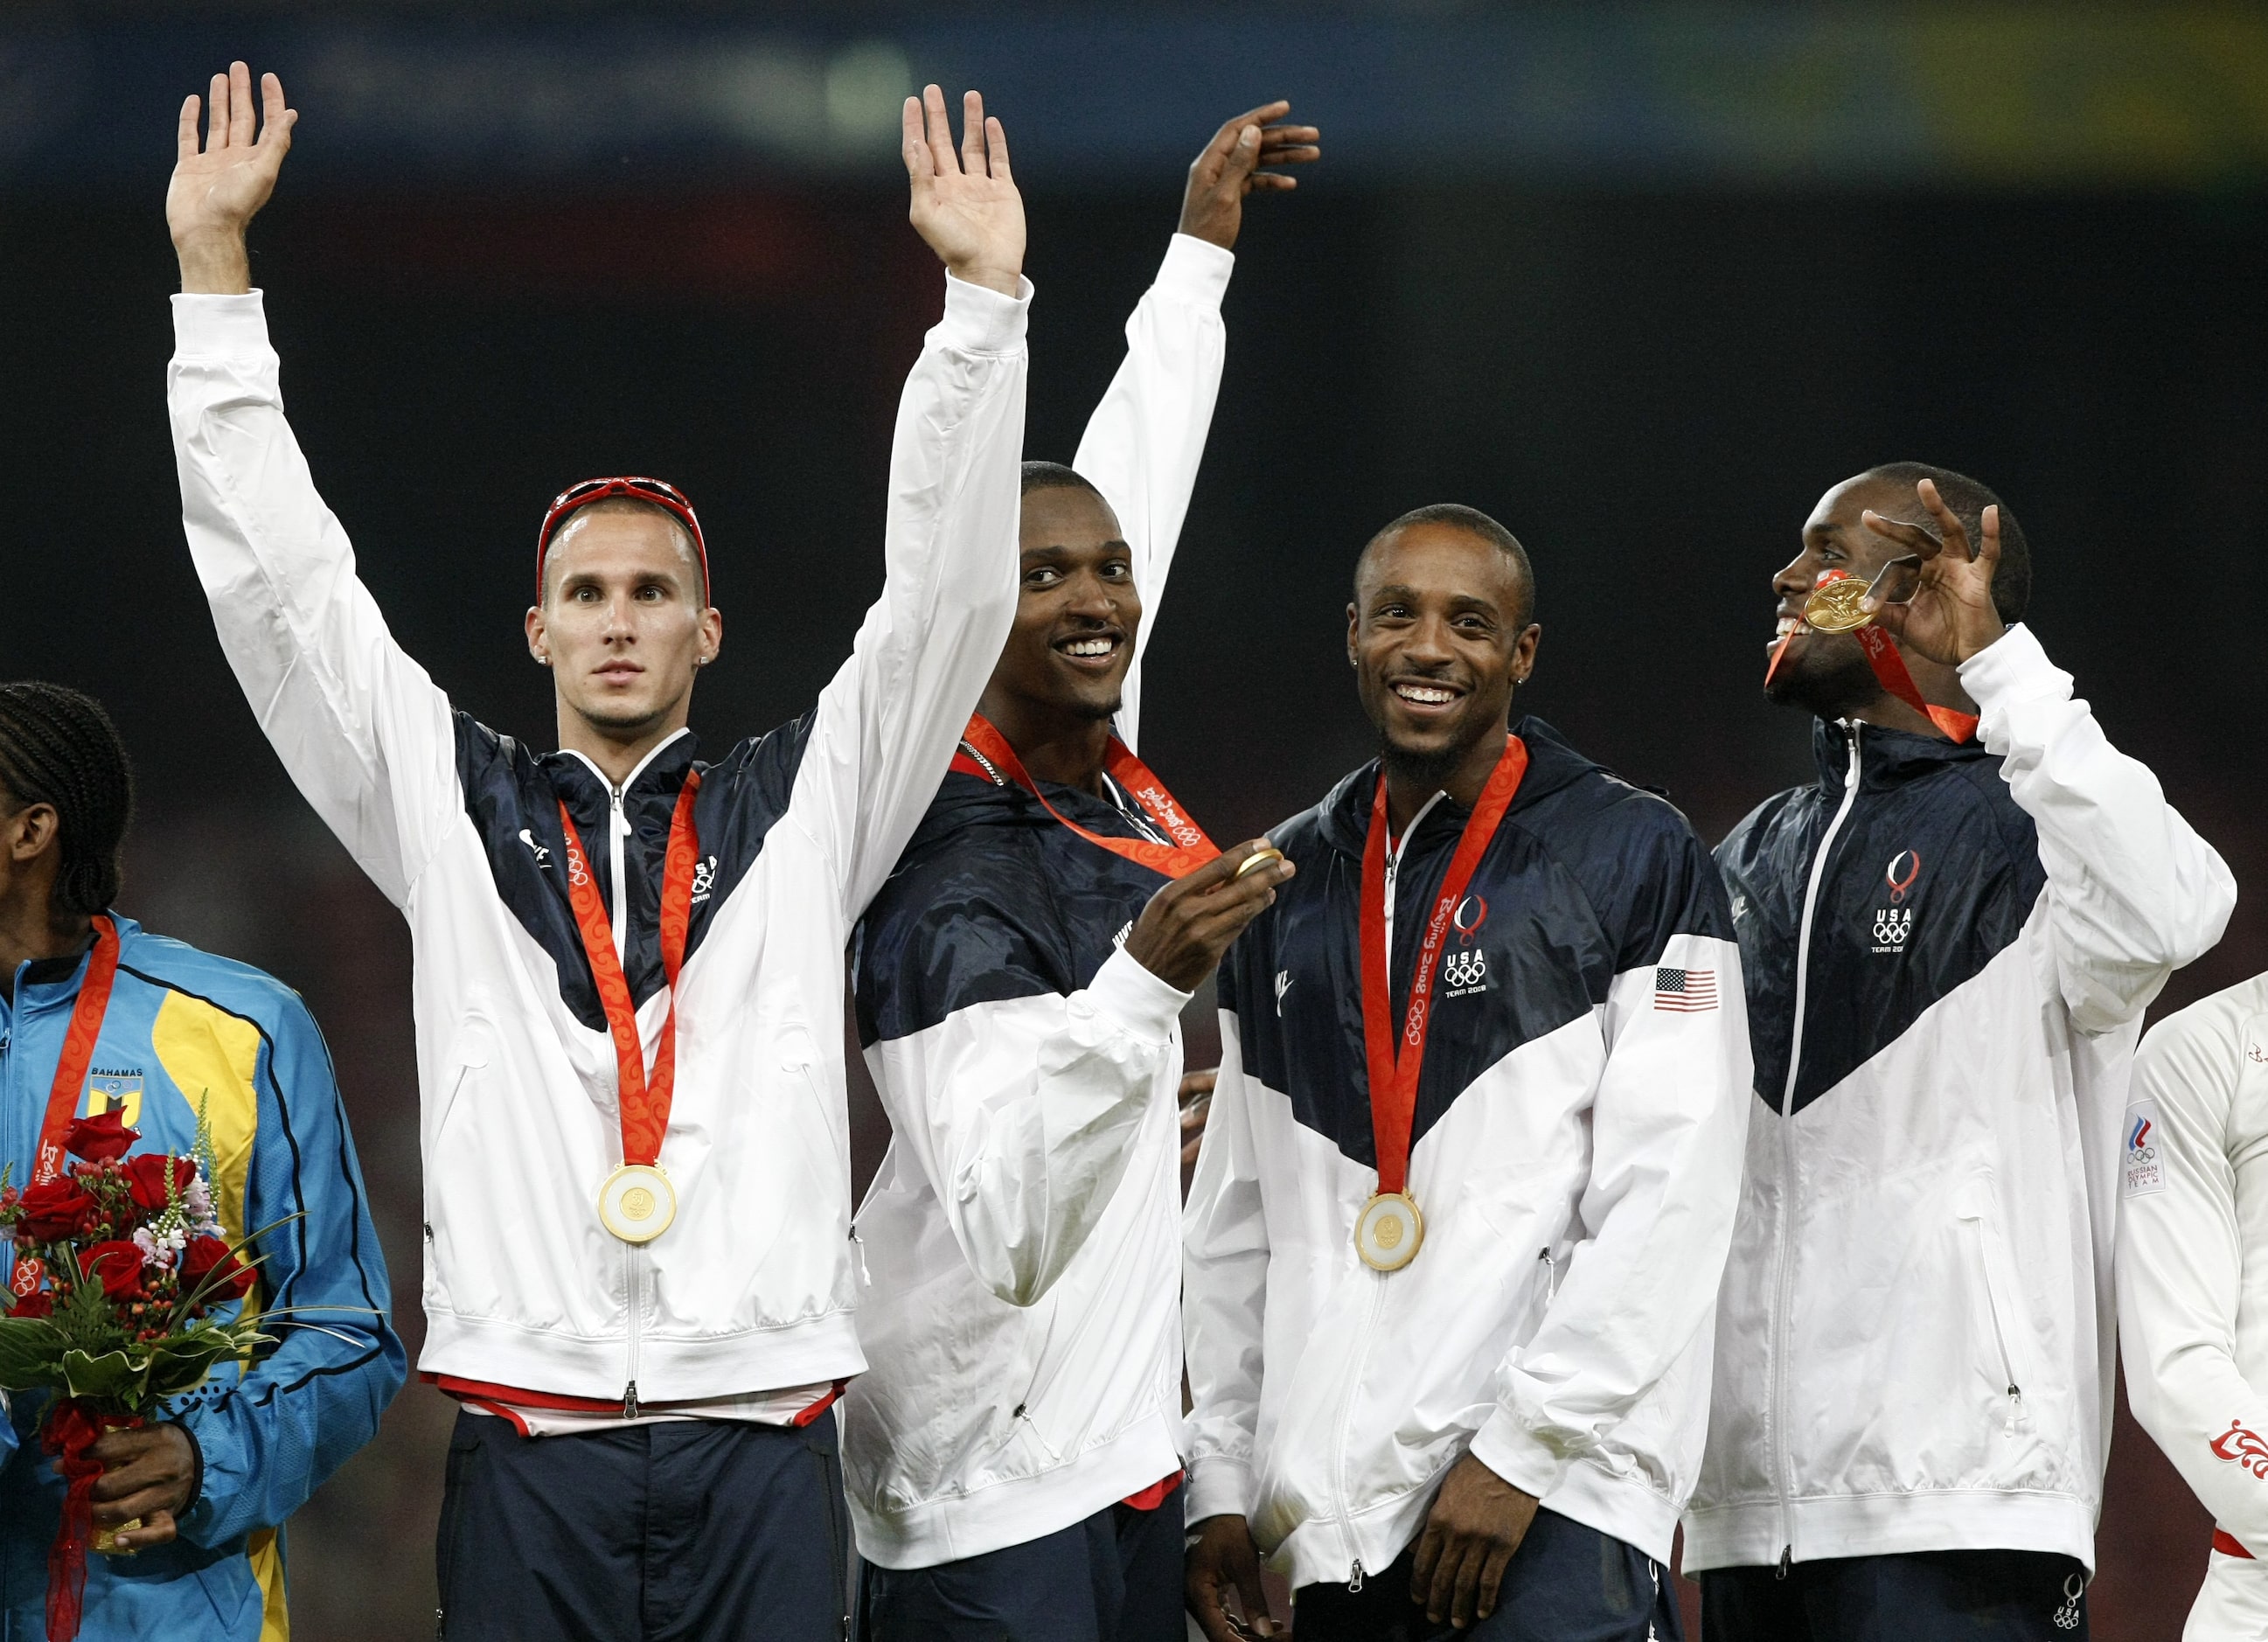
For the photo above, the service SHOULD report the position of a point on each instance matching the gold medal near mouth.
(1837, 606)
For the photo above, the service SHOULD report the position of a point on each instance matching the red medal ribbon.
(71, 1075)
(986, 754)
(69, 1433)
(1395, 1063)
(1890, 672)
(644, 1102)
(2228, 1545)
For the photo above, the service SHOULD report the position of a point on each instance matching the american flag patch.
(1689, 990)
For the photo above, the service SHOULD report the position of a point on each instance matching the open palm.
(219, 188)
(965, 204)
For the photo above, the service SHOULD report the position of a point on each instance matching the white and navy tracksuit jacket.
(1576, 1155)
(2193, 1281)
(752, 1288)
(1020, 1321)
(1948, 950)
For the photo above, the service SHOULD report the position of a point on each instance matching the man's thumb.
(1245, 155)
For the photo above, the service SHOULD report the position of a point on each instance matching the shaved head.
(1472, 522)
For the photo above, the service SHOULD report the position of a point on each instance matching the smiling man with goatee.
(1011, 1454)
(1453, 1248)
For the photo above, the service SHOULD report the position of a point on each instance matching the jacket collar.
(661, 770)
(1891, 757)
(49, 981)
(1344, 821)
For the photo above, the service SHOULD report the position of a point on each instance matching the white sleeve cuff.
(1516, 1456)
(979, 319)
(1218, 1486)
(219, 328)
(1195, 270)
(1134, 999)
(2012, 668)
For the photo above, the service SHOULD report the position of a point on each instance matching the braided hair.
(58, 747)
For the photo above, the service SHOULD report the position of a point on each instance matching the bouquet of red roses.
(114, 1305)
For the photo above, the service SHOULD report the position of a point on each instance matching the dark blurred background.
(1641, 281)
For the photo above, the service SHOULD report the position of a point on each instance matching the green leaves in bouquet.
(180, 1363)
(34, 1354)
(31, 1353)
(110, 1377)
(82, 1350)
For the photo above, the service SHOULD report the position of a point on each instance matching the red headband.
(662, 495)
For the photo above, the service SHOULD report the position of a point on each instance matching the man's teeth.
(1090, 647)
(1787, 624)
(1429, 695)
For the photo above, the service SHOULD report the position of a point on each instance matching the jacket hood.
(1344, 816)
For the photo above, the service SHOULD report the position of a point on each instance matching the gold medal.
(1257, 860)
(1389, 1231)
(1834, 606)
(638, 1202)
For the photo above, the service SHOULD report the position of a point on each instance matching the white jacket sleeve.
(2180, 1269)
(2133, 894)
(1145, 439)
(1224, 1297)
(365, 733)
(1668, 1129)
(886, 723)
(1023, 1115)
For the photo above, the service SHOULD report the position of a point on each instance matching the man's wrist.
(1008, 282)
(197, 1468)
(1972, 646)
(215, 265)
(1208, 226)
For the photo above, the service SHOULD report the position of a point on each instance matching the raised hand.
(965, 205)
(1212, 205)
(219, 190)
(1951, 614)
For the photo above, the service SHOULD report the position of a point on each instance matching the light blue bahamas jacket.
(184, 1027)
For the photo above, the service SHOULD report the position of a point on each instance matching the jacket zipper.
(634, 1286)
(1346, 1421)
(617, 824)
(1377, 1278)
(633, 1266)
(2013, 1419)
(1785, 1267)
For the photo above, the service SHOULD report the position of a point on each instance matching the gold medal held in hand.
(638, 1202)
(1835, 605)
(1257, 860)
(1389, 1231)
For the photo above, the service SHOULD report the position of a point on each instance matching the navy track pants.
(1115, 1577)
(698, 1530)
(1566, 1583)
(1920, 1596)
